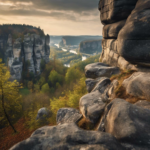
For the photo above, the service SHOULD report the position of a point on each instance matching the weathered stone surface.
(114, 11)
(68, 115)
(42, 113)
(128, 123)
(96, 70)
(143, 103)
(28, 51)
(111, 31)
(134, 37)
(102, 85)
(92, 106)
(90, 47)
(90, 84)
(33, 49)
(68, 137)
(138, 85)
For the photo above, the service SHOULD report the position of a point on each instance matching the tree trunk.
(6, 115)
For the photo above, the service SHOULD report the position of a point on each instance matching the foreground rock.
(102, 85)
(68, 137)
(138, 85)
(90, 83)
(96, 70)
(92, 106)
(68, 115)
(128, 123)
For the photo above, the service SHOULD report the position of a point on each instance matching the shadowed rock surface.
(134, 37)
(96, 70)
(114, 11)
(127, 122)
(111, 31)
(68, 115)
(68, 137)
(92, 106)
(102, 85)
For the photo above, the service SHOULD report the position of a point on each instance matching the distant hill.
(75, 40)
(19, 30)
(90, 46)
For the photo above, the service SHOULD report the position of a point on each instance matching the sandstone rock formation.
(125, 33)
(90, 47)
(138, 85)
(68, 115)
(128, 123)
(96, 70)
(30, 52)
(68, 137)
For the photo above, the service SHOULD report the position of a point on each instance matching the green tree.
(45, 88)
(72, 75)
(9, 95)
(54, 78)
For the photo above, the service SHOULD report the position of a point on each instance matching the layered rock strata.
(90, 47)
(125, 33)
(30, 52)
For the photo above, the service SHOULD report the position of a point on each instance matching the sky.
(56, 17)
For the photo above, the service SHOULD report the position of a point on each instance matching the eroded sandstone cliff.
(125, 33)
(28, 52)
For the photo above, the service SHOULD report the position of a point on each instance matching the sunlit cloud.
(54, 16)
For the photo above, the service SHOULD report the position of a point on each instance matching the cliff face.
(90, 46)
(75, 40)
(126, 32)
(30, 52)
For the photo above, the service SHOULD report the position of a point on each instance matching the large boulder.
(128, 123)
(90, 83)
(96, 70)
(114, 11)
(134, 37)
(102, 85)
(68, 115)
(111, 31)
(138, 85)
(68, 137)
(92, 106)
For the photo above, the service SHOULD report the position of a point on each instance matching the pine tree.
(9, 95)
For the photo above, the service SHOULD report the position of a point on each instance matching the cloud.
(58, 9)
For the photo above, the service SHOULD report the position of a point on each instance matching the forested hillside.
(19, 30)
(56, 87)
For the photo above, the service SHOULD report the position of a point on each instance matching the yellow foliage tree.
(9, 95)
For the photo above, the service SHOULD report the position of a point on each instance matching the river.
(71, 51)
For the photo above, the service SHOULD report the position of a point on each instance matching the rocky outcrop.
(68, 137)
(92, 106)
(96, 70)
(128, 123)
(43, 113)
(126, 33)
(68, 115)
(138, 85)
(90, 47)
(30, 52)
